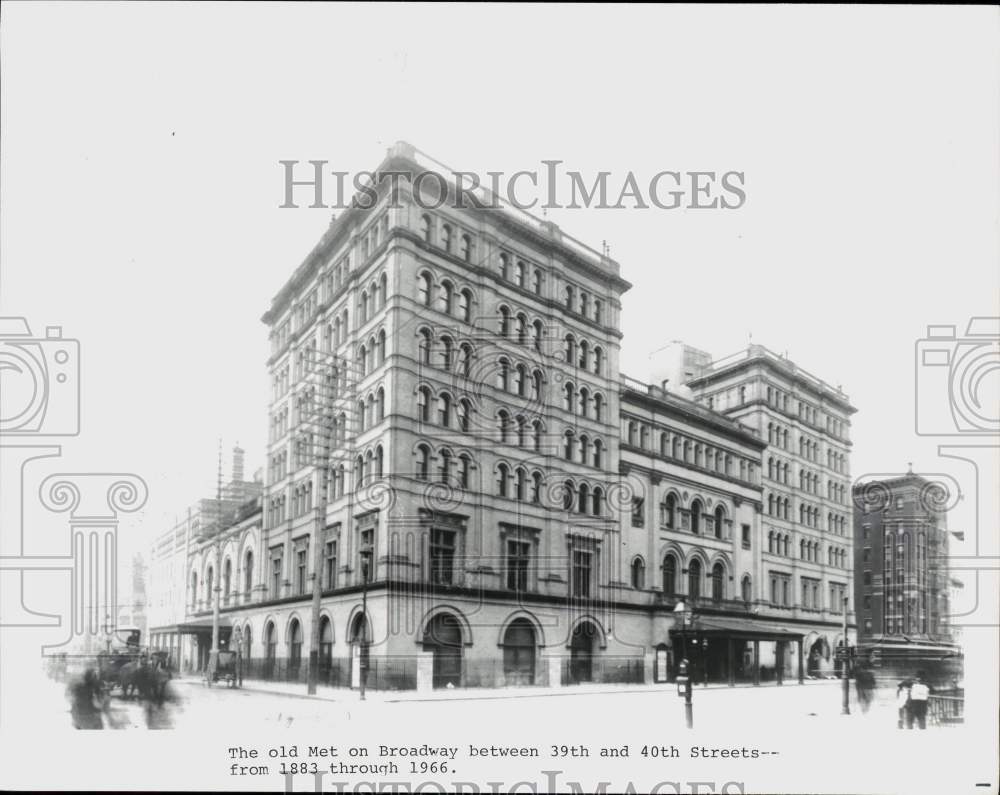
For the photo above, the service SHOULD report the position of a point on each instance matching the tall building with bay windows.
(902, 578)
(485, 500)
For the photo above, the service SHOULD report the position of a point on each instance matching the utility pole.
(217, 550)
(319, 525)
(843, 667)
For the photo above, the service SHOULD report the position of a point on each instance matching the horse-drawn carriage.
(134, 671)
(225, 666)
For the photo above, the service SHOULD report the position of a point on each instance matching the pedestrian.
(864, 682)
(919, 693)
(83, 695)
(903, 702)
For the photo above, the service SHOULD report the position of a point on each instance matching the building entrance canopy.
(747, 629)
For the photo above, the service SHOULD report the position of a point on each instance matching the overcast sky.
(141, 186)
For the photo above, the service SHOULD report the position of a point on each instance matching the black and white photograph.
(499, 398)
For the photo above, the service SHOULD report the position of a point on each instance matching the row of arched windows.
(808, 448)
(579, 353)
(371, 354)
(517, 484)
(228, 586)
(302, 498)
(369, 466)
(452, 469)
(583, 498)
(517, 430)
(371, 410)
(836, 524)
(582, 403)
(444, 353)
(680, 448)
(583, 449)
(334, 332)
(777, 435)
(524, 275)
(447, 297)
(372, 299)
(695, 587)
(443, 409)
(778, 543)
(591, 309)
(836, 461)
(447, 236)
(670, 513)
(777, 470)
(516, 326)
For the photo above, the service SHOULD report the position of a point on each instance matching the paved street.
(811, 705)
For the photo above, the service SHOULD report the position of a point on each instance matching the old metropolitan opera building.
(495, 503)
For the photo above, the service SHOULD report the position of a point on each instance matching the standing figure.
(919, 692)
(903, 703)
(864, 682)
(84, 695)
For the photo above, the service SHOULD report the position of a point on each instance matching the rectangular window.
(746, 536)
(300, 570)
(442, 556)
(580, 578)
(366, 554)
(518, 553)
(330, 565)
(276, 573)
(638, 512)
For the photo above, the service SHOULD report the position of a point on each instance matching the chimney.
(238, 454)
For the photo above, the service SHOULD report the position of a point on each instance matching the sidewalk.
(343, 694)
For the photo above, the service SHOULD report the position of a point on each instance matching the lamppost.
(686, 616)
(107, 632)
(843, 668)
(238, 640)
(366, 552)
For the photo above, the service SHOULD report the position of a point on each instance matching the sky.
(141, 187)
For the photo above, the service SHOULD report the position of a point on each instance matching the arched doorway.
(247, 642)
(581, 652)
(443, 637)
(270, 649)
(519, 653)
(294, 648)
(325, 648)
(819, 651)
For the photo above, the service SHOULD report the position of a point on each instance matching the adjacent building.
(902, 580)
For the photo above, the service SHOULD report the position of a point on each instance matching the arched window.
(424, 404)
(584, 354)
(446, 237)
(696, 509)
(598, 359)
(445, 294)
(598, 406)
(503, 473)
(536, 487)
(359, 471)
(503, 375)
(536, 435)
(597, 311)
(638, 573)
(669, 575)
(568, 446)
(380, 405)
(504, 321)
(465, 250)
(423, 462)
(670, 511)
(380, 348)
(718, 582)
(383, 290)
(570, 350)
(505, 267)
(538, 282)
(536, 334)
(536, 385)
(248, 573)
(503, 421)
(425, 342)
(425, 227)
(569, 297)
(568, 495)
(522, 274)
(520, 379)
(584, 445)
(464, 470)
(598, 501)
(227, 579)
(464, 410)
(465, 359)
(745, 588)
(568, 393)
(584, 399)
(522, 328)
(720, 518)
(598, 452)
(445, 466)
(444, 409)
(520, 484)
(379, 462)
(583, 498)
(694, 578)
(465, 305)
(447, 347)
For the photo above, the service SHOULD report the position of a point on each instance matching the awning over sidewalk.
(196, 626)
(746, 628)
